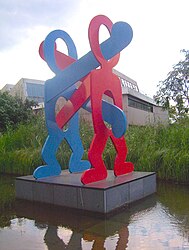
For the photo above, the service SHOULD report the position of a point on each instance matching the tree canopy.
(173, 93)
(13, 111)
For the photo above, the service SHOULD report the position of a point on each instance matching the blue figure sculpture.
(55, 134)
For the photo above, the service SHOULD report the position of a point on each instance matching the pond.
(161, 221)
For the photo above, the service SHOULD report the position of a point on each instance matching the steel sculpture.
(94, 83)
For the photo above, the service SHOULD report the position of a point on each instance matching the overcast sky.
(160, 29)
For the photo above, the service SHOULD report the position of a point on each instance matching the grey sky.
(160, 31)
(16, 16)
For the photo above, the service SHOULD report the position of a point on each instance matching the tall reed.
(20, 148)
(164, 150)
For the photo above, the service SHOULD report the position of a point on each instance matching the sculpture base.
(102, 196)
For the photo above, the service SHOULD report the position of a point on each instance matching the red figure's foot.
(123, 168)
(92, 175)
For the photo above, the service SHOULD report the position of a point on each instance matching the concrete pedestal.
(102, 197)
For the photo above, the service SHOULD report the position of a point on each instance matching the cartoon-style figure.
(93, 84)
(80, 98)
(103, 81)
(56, 61)
(55, 134)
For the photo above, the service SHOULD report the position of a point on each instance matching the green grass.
(20, 148)
(7, 198)
(164, 150)
(7, 192)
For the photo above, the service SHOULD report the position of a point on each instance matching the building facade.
(139, 109)
(7, 88)
(30, 89)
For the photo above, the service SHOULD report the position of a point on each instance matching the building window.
(139, 104)
(35, 92)
(36, 99)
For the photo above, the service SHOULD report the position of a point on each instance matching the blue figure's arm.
(111, 114)
(121, 36)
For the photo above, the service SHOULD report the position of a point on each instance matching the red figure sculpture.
(103, 82)
(96, 84)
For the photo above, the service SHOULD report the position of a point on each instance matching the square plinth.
(102, 196)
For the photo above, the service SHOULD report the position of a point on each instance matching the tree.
(13, 111)
(173, 93)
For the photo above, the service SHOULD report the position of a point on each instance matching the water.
(161, 221)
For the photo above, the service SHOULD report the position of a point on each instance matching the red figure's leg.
(120, 166)
(98, 171)
(101, 133)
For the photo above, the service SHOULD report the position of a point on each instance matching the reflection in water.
(6, 200)
(99, 240)
(175, 200)
(100, 232)
(53, 242)
(84, 228)
(159, 222)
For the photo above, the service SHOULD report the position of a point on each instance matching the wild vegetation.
(13, 111)
(173, 92)
(164, 150)
(160, 149)
(7, 193)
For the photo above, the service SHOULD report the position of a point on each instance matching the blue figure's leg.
(55, 134)
(55, 137)
(49, 156)
(74, 141)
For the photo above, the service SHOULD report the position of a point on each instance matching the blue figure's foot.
(46, 171)
(79, 167)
